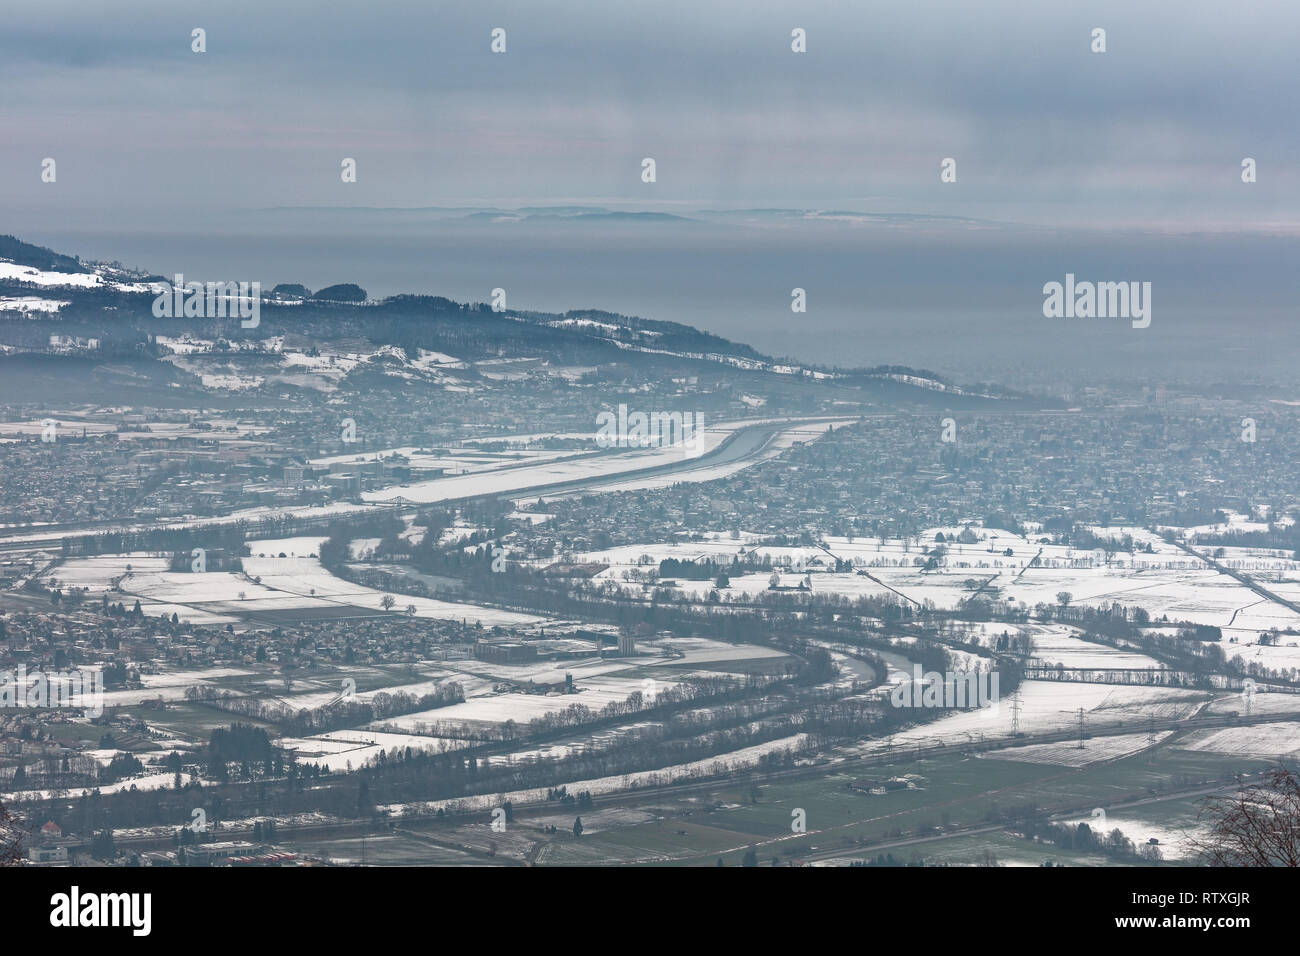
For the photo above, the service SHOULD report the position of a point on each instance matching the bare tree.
(11, 839)
(1257, 826)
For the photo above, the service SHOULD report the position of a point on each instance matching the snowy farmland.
(694, 770)
(294, 583)
(1267, 740)
(153, 781)
(521, 708)
(1166, 583)
(1057, 644)
(1070, 754)
(494, 696)
(303, 582)
(1047, 707)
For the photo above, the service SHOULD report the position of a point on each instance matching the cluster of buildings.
(893, 475)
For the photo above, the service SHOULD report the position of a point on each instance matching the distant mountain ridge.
(76, 302)
(579, 213)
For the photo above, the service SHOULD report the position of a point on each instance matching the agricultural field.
(1168, 583)
(281, 582)
(945, 810)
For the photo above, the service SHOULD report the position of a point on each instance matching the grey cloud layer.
(1042, 129)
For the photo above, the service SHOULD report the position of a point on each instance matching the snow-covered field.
(98, 573)
(1166, 583)
(1057, 644)
(295, 582)
(593, 693)
(490, 701)
(1174, 841)
(1047, 706)
(303, 582)
(30, 303)
(1261, 703)
(13, 272)
(170, 685)
(153, 781)
(699, 650)
(342, 750)
(735, 760)
(1258, 740)
(1094, 750)
(219, 365)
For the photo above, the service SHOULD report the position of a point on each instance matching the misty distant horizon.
(226, 164)
(941, 297)
(1043, 130)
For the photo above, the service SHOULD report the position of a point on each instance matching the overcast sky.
(148, 135)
